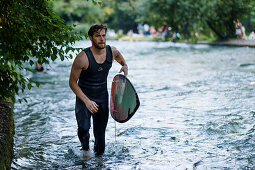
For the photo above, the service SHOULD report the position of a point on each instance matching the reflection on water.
(197, 112)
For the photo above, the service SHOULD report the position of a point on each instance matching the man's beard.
(97, 46)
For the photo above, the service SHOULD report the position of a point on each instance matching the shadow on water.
(197, 112)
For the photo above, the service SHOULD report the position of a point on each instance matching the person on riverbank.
(238, 26)
(140, 29)
(90, 68)
(251, 36)
(243, 33)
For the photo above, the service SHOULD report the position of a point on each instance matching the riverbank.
(235, 43)
(6, 135)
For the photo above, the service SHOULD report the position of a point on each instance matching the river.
(197, 112)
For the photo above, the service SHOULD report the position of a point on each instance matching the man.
(90, 68)
(39, 67)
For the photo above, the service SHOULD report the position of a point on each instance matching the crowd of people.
(146, 30)
(166, 31)
(163, 31)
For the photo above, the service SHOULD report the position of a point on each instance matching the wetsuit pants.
(100, 119)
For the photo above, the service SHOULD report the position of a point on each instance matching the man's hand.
(92, 106)
(124, 69)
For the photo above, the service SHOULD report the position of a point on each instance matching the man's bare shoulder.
(81, 60)
(115, 51)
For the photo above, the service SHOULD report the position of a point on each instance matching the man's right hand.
(92, 106)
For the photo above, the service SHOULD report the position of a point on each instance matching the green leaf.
(29, 69)
(29, 86)
(62, 57)
(86, 35)
(31, 62)
(37, 84)
(67, 49)
(94, 2)
(53, 57)
(100, 3)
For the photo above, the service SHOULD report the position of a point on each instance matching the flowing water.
(197, 112)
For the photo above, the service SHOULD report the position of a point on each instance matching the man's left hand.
(124, 69)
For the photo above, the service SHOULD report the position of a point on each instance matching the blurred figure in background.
(243, 33)
(146, 29)
(251, 36)
(153, 31)
(39, 67)
(238, 26)
(140, 29)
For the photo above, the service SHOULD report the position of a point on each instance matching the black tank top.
(93, 80)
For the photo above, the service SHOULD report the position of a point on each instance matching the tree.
(83, 13)
(79, 12)
(249, 22)
(217, 15)
(226, 11)
(117, 14)
(30, 32)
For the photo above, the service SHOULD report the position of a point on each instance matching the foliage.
(185, 16)
(30, 31)
(196, 16)
(125, 16)
(227, 11)
(116, 13)
(249, 21)
(80, 12)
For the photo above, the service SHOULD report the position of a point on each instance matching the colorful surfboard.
(124, 100)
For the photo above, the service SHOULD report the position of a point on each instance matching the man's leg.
(100, 120)
(84, 138)
(83, 117)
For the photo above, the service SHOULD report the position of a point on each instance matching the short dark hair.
(94, 28)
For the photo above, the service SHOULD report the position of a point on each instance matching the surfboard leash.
(115, 132)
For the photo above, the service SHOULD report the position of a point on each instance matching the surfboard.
(124, 100)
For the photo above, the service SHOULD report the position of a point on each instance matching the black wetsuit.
(41, 69)
(93, 83)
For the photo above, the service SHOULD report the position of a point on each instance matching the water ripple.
(197, 112)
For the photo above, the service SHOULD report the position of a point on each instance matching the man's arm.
(120, 59)
(81, 62)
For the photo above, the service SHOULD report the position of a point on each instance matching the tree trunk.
(215, 31)
(6, 134)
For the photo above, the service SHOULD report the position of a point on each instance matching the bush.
(30, 31)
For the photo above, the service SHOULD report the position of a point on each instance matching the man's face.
(99, 39)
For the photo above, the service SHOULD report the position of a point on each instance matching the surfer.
(39, 67)
(90, 68)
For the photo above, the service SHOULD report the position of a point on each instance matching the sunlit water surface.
(197, 112)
